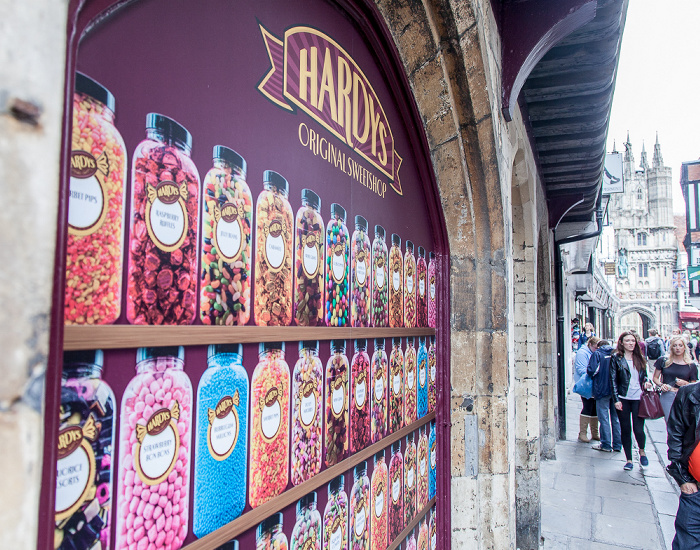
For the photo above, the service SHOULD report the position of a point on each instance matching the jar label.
(311, 254)
(223, 427)
(409, 283)
(166, 215)
(157, 445)
(379, 386)
(396, 488)
(87, 202)
(75, 467)
(379, 277)
(433, 541)
(275, 250)
(432, 288)
(423, 464)
(360, 520)
(421, 286)
(360, 392)
(422, 373)
(396, 280)
(360, 271)
(433, 456)
(307, 403)
(271, 414)
(396, 386)
(432, 372)
(379, 501)
(410, 474)
(410, 379)
(338, 397)
(228, 234)
(338, 262)
(336, 538)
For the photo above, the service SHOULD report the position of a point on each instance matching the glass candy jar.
(309, 262)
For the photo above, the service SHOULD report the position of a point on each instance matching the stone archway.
(644, 319)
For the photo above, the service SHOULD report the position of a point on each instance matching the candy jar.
(380, 371)
(361, 274)
(163, 257)
(337, 401)
(308, 262)
(154, 452)
(409, 489)
(269, 534)
(395, 283)
(227, 225)
(360, 509)
(396, 515)
(409, 287)
(95, 209)
(360, 406)
(432, 453)
(221, 440)
(422, 290)
(432, 371)
(269, 420)
(272, 302)
(337, 269)
(380, 502)
(432, 302)
(380, 283)
(422, 360)
(422, 465)
(411, 541)
(230, 545)
(423, 542)
(432, 529)
(410, 394)
(85, 446)
(335, 517)
(307, 414)
(396, 383)
(306, 534)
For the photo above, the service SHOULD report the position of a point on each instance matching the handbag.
(584, 386)
(650, 405)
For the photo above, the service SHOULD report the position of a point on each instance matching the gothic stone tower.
(642, 218)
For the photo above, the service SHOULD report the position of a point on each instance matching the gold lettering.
(327, 85)
(344, 89)
(382, 136)
(301, 140)
(356, 83)
(310, 74)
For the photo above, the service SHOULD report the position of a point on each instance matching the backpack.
(653, 349)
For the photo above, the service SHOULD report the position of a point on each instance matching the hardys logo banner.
(309, 70)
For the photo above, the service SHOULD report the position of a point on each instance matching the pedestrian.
(588, 415)
(674, 372)
(674, 332)
(684, 454)
(588, 331)
(628, 375)
(655, 345)
(599, 371)
(642, 344)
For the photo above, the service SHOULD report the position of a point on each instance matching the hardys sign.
(311, 71)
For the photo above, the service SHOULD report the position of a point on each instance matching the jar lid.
(166, 351)
(432, 338)
(269, 346)
(230, 545)
(338, 346)
(336, 484)
(308, 344)
(421, 252)
(361, 343)
(337, 211)
(395, 239)
(273, 179)
(361, 469)
(170, 128)
(230, 156)
(410, 340)
(306, 501)
(409, 245)
(421, 340)
(361, 223)
(432, 255)
(379, 456)
(86, 85)
(379, 230)
(396, 447)
(217, 349)
(396, 340)
(270, 523)
(310, 198)
(84, 357)
(379, 343)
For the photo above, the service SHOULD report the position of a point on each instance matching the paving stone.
(571, 501)
(668, 528)
(614, 507)
(574, 523)
(622, 531)
(666, 503)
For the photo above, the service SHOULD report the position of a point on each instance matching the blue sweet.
(432, 461)
(422, 360)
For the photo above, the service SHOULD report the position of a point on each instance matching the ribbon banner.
(310, 71)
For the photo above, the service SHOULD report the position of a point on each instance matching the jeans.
(687, 523)
(603, 406)
(630, 421)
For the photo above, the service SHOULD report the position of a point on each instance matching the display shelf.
(135, 336)
(413, 523)
(251, 519)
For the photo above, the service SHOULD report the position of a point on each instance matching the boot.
(583, 428)
(594, 428)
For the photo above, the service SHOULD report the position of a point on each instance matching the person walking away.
(599, 371)
(588, 331)
(628, 375)
(684, 454)
(588, 415)
(674, 372)
(655, 345)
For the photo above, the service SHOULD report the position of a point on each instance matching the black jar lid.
(361, 469)
(409, 246)
(432, 338)
(421, 252)
(273, 179)
(379, 231)
(361, 344)
(421, 340)
(396, 340)
(379, 456)
(336, 484)
(217, 349)
(230, 545)
(84, 357)
(338, 211)
(308, 344)
(379, 343)
(395, 239)
(361, 223)
(270, 523)
(171, 129)
(338, 346)
(410, 340)
(229, 155)
(310, 198)
(86, 85)
(165, 351)
(270, 346)
(396, 447)
(432, 255)
(306, 501)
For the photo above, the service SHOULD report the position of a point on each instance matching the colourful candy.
(396, 383)
(411, 541)
(269, 534)
(272, 304)
(422, 294)
(361, 274)
(307, 414)
(380, 371)
(380, 282)
(422, 391)
(360, 509)
(409, 287)
(432, 454)
(306, 534)
(360, 406)
(422, 459)
(410, 393)
(395, 283)
(269, 420)
(335, 517)
(423, 536)
(162, 274)
(227, 224)
(380, 502)
(309, 262)
(409, 502)
(396, 513)
(337, 269)
(337, 400)
(95, 209)
(432, 529)
(432, 370)
(432, 281)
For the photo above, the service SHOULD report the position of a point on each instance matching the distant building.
(647, 250)
(690, 184)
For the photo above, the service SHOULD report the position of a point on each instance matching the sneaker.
(643, 460)
(628, 466)
(599, 447)
(617, 450)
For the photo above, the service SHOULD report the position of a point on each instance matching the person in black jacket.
(599, 371)
(684, 454)
(628, 376)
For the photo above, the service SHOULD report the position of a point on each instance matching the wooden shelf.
(134, 336)
(416, 520)
(252, 518)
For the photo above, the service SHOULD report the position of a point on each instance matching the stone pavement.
(590, 503)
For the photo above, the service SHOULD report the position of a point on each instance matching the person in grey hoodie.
(599, 371)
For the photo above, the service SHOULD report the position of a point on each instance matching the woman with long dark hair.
(674, 371)
(628, 374)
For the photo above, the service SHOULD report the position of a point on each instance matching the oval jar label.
(157, 446)
(270, 414)
(223, 427)
(228, 235)
(87, 202)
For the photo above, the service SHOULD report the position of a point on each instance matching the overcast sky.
(658, 84)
